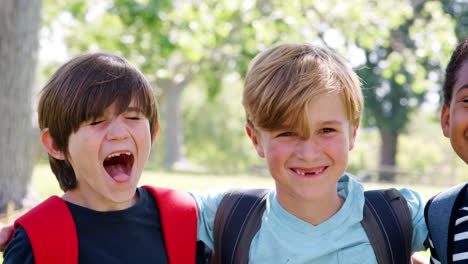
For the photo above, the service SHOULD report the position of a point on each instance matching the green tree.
(458, 10)
(403, 52)
(399, 54)
(173, 43)
(399, 71)
(403, 55)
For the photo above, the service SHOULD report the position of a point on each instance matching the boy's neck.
(101, 205)
(313, 212)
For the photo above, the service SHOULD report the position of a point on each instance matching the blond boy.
(303, 106)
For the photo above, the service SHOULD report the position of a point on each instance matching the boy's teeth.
(118, 154)
(300, 172)
(309, 172)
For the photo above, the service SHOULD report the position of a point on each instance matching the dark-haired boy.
(99, 117)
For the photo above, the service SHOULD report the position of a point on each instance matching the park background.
(195, 53)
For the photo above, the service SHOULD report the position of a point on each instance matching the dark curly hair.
(459, 56)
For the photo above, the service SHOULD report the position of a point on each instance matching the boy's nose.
(117, 130)
(307, 149)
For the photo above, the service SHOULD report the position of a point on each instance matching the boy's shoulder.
(58, 222)
(441, 213)
(440, 208)
(19, 249)
(446, 199)
(50, 219)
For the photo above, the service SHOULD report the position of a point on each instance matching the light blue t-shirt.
(284, 238)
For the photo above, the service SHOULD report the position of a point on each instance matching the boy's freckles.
(454, 118)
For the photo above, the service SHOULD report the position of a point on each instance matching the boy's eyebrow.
(330, 122)
(465, 86)
(133, 109)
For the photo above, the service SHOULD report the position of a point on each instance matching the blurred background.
(196, 53)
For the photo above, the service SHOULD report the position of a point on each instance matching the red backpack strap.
(51, 231)
(179, 222)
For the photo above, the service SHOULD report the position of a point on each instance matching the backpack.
(239, 217)
(440, 214)
(47, 223)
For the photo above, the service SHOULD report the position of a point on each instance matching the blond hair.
(283, 79)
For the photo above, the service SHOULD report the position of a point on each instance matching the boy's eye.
(327, 130)
(134, 115)
(286, 134)
(94, 123)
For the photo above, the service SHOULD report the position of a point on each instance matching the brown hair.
(81, 90)
(283, 79)
(459, 56)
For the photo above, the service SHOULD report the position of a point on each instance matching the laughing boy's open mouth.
(119, 165)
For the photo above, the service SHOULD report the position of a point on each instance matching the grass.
(45, 184)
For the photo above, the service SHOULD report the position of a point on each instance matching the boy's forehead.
(461, 85)
(117, 107)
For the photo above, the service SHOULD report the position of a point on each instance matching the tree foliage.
(399, 55)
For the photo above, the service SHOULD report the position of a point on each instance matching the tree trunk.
(173, 130)
(19, 42)
(388, 153)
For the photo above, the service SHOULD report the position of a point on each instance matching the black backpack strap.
(238, 219)
(388, 225)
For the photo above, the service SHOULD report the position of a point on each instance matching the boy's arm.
(19, 249)
(417, 258)
(416, 207)
(6, 234)
(207, 204)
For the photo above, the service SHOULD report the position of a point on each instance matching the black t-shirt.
(133, 235)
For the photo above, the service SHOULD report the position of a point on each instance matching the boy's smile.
(309, 172)
(108, 155)
(307, 169)
(454, 118)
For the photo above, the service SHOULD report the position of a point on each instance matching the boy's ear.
(155, 131)
(255, 140)
(49, 144)
(353, 135)
(445, 120)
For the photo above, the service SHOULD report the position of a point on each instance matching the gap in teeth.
(308, 173)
